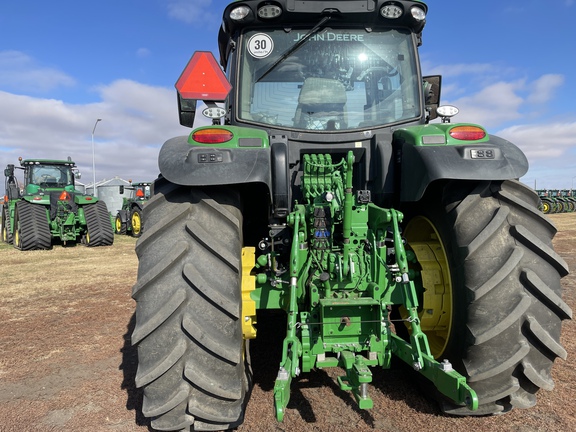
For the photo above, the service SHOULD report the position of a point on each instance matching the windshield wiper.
(297, 45)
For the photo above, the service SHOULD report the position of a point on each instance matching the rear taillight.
(212, 136)
(467, 133)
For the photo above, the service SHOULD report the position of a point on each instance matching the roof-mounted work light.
(446, 111)
(418, 13)
(239, 13)
(269, 11)
(213, 111)
(391, 11)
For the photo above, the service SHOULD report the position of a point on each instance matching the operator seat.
(321, 105)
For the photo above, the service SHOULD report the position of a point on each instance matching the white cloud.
(127, 140)
(491, 106)
(550, 149)
(542, 90)
(542, 141)
(20, 72)
(465, 78)
(192, 11)
(502, 102)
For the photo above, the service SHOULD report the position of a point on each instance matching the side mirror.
(432, 86)
(9, 171)
(186, 111)
(77, 175)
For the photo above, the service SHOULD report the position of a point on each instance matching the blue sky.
(508, 65)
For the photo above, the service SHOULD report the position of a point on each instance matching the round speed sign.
(260, 45)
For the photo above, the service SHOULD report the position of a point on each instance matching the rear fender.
(123, 214)
(136, 205)
(244, 159)
(427, 153)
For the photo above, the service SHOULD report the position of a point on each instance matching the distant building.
(109, 192)
(80, 186)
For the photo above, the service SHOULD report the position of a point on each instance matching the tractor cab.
(142, 191)
(48, 175)
(309, 67)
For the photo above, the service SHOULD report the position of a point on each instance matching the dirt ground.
(66, 363)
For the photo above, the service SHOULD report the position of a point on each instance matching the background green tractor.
(323, 193)
(560, 203)
(129, 218)
(547, 202)
(48, 208)
(568, 199)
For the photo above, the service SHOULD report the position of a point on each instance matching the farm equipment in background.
(129, 218)
(48, 208)
(556, 200)
(322, 191)
(547, 203)
(566, 196)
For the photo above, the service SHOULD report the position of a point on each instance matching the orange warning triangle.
(203, 79)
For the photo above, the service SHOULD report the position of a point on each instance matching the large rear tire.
(191, 359)
(136, 222)
(99, 230)
(32, 231)
(506, 312)
(119, 226)
(546, 206)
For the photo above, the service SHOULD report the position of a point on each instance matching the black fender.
(123, 214)
(136, 205)
(422, 165)
(184, 164)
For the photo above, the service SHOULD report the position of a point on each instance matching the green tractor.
(129, 218)
(547, 203)
(322, 191)
(49, 208)
(568, 199)
(559, 202)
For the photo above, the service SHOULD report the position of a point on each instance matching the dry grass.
(38, 273)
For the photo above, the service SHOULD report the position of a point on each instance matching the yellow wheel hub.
(436, 311)
(136, 225)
